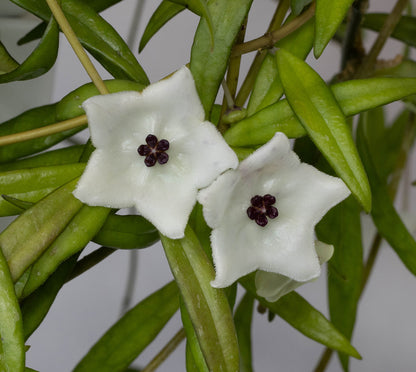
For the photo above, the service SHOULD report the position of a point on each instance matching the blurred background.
(87, 306)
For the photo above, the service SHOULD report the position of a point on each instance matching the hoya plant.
(251, 181)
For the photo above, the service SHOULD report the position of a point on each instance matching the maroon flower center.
(261, 208)
(154, 151)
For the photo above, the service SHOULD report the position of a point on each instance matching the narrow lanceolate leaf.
(24, 240)
(318, 111)
(195, 358)
(41, 59)
(127, 338)
(329, 15)
(7, 62)
(404, 31)
(103, 42)
(11, 326)
(76, 235)
(341, 227)
(242, 318)
(32, 184)
(295, 310)
(164, 13)
(207, 306)
(385, 216)
(208, 63)
(353, 97)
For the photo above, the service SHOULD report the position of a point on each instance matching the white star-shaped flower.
(272, 286)
(153, 151)
(263, 214)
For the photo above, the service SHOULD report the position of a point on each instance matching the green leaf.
(31, 119)
(318, 111)
(207, 306)
(24, 240)
(208, 63)
(298, 5)
(126, 232)
(31, 185)
(67, 155)
(76, 235)
(164, 12)
(243, 318)
(41, 60)
(34, 34)
(36, 306)
(7, 62)
(127, 338)
(268, 88)
(295, 310)
(38, 8)
(341, 227)
(404, 31)
(11, 326)
(329, 15)
(192, 344)
(103, 42)
(353, 97)
(385, 216)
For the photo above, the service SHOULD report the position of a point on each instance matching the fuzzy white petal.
(286, 244)
(116, 175)
(272, 286)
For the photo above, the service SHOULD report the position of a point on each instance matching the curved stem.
(165, 352)
(76, 46)
(44, 131)
(270, 38)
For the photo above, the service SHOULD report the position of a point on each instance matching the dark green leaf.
(127, 338)
(165, 12)
(318, 111)
(329, 15)
(34, 34)
(41, 59)
(243, 318)
(126, 232)
(341, 227)
(38, 8)
(207, 306)
(208, 64)
(295, 310)
(404, 31)
(385, 216)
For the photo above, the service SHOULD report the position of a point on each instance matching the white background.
(89, 305)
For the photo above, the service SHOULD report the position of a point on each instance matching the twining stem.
(270, 38)
(248, 83)
(76, 46)
(165, 352)
(44, 131)
(389, 25)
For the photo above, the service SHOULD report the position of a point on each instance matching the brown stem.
(165, 352)
(323, 361)
(270, 38)
(390, 23)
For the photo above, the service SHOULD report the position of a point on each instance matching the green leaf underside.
(208, 63)
(341, 227)
(329, 15)
(385, 216)
(319, 113)
(31, 233)
(295, 310)
(11, 326)
(7, 62)
(127, 338)
(207, 307)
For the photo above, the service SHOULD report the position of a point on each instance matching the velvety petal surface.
(117, 176)
(286, 244)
